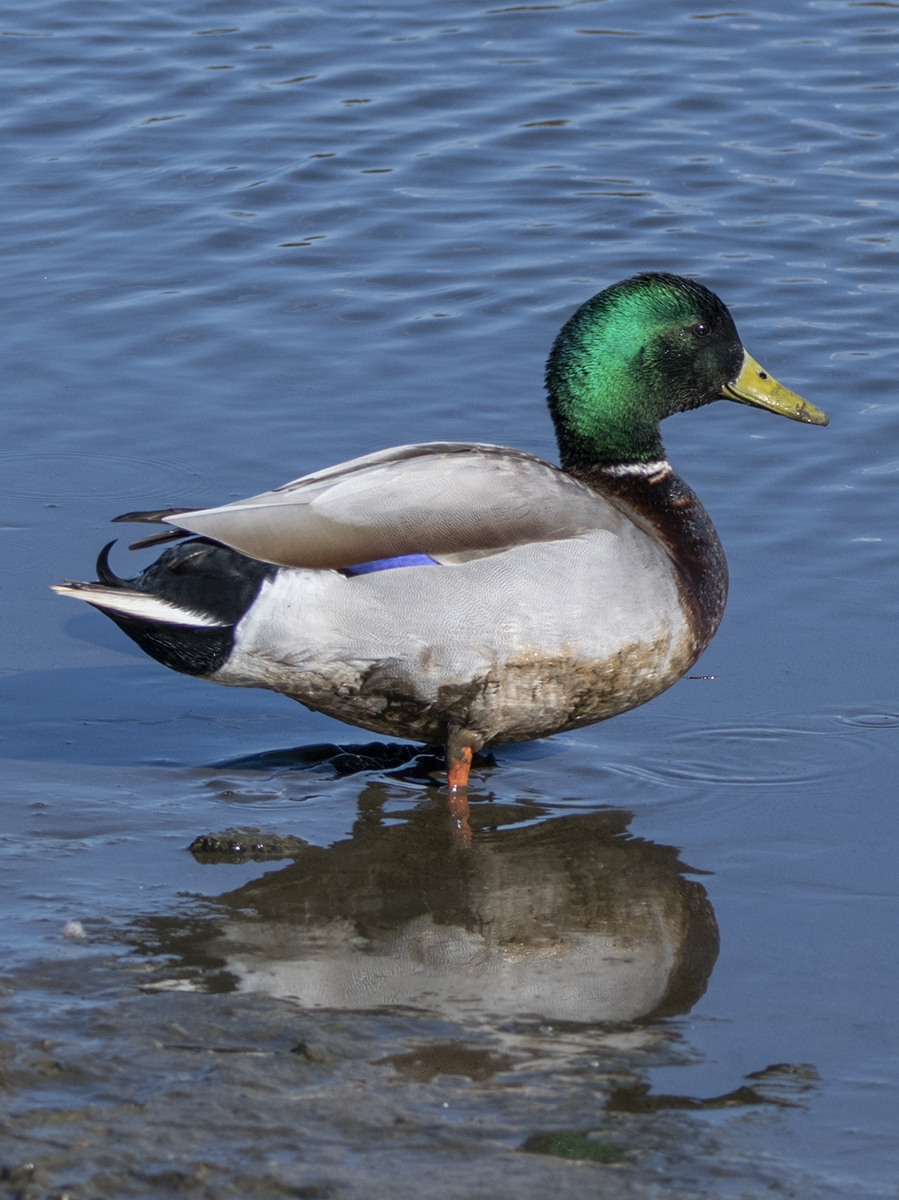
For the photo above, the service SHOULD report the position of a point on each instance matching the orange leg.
(458, 764)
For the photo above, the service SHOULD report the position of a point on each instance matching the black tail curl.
(105, 573)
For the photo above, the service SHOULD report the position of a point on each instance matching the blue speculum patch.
(388, 564)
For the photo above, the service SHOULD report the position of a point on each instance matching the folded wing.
(447, 499)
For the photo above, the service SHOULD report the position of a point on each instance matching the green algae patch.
(576, 1144)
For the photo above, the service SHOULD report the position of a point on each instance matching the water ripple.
(759, 755)
(38, 476)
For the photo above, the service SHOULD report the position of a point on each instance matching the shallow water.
(240, 243)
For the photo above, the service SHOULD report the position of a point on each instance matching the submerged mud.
(124, 1088)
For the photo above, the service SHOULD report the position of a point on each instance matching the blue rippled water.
(243, 242)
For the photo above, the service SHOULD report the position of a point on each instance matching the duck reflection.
(567, 919)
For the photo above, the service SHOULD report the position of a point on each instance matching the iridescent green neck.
(600, 420)
(600, 399)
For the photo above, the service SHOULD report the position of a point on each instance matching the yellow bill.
(755, 386)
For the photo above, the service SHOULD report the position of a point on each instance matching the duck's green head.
(641, 350)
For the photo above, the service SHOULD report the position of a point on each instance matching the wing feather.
(439, 498)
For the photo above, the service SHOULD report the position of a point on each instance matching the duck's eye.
(700, 329)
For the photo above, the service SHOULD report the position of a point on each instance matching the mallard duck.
(466, 594)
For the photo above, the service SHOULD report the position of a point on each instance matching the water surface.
(242, 242)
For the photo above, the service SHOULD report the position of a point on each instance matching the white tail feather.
(138, 604)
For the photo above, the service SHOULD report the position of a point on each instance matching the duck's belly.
(518, 645)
